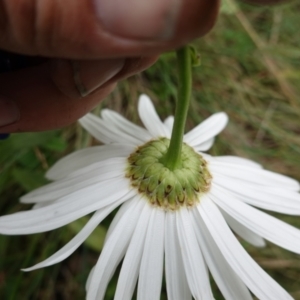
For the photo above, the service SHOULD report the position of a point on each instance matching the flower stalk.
(172, 159)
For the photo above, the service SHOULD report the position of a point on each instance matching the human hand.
(85, 48)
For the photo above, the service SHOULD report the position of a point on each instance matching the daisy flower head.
(180, 222)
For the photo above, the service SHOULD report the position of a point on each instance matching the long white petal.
(272, 229)
(82, 158)
(94, 174)
(71, 246)
(132, 261)
(123, 208)
(42, 204)
(151, 269)
(270, 198)
(205, 146)
(88, 281)
(113, 251)
(228, 282)
(169, 122)
(194, 265)
(88, 176)
(243, 231)
(94, 125)
(150, 118)
(105, 133)
(118, 121)
(206, 130)
(252, 175)
(177, 286)
(236, 160)
(70, 208)
(257, 280)
(102, 167)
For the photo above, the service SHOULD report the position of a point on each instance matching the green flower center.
(163, 187)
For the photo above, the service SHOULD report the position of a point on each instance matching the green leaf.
(29, 180)
(18, 144)
(56, 144)
(195, 56)
(29, 160)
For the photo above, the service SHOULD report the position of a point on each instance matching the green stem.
(172, 159)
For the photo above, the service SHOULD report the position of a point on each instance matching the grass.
(250, 69)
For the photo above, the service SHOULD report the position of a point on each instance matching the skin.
(64, 32)
(45, 94)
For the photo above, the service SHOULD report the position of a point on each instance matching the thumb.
(93, 29)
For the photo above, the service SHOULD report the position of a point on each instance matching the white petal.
(132, 261)
(85, 157)
(88, 281)
(70, 208)
(105, 133)
(257, 280)
(206, 130)
(42, 204)
(70, 247)
(228, 282)
(244, 232)
(113, 251)
(102, 167)
(151, 269)
(169, 122)
(205, 146)
(252, 175)
(270, 198)
(177, 286)
(150, 118)
(236, 160)
(272, 229)
(94, 125)
(119, 216)
(91, 175)
(114, 119)
(195, 268)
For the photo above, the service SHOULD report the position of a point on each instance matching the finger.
(91, 29)
(78, 78)
(36, 98)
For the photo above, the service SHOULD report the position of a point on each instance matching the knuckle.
(3, 22)
(16, 24)
(59, 27)
(39, 27)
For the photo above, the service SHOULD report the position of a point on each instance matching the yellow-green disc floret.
(163, 187)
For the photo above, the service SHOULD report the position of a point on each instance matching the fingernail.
(9, 112)
(146, 19)
(90, 75)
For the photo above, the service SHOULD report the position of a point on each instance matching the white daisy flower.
(180, 221)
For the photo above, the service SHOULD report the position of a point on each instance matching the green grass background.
(250, 70)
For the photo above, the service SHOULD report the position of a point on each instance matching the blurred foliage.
(249, 68)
